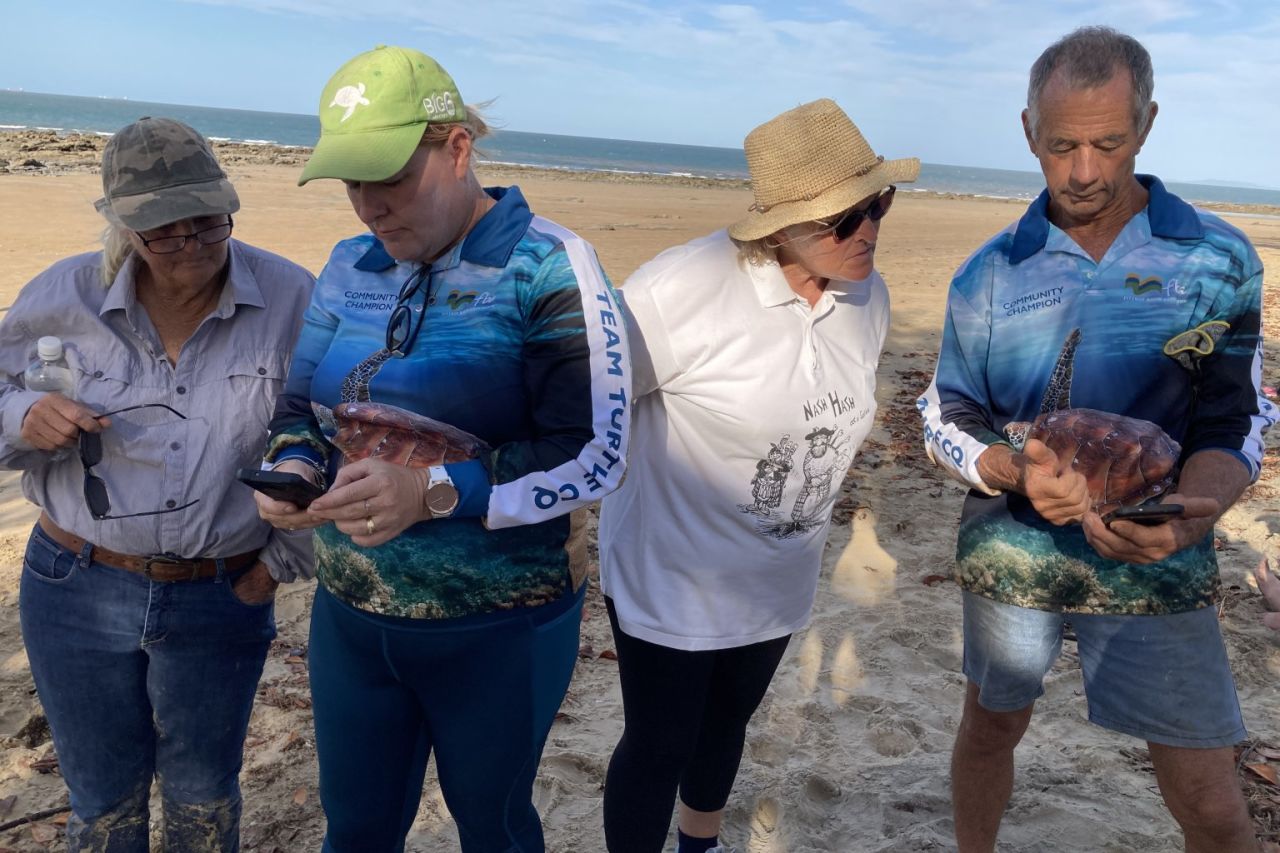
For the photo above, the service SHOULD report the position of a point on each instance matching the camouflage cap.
(373, 112)
(157, 171)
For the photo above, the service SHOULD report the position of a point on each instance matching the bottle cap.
(49, 348)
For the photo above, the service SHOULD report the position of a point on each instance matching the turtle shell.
(1125, 460)
(388, 432)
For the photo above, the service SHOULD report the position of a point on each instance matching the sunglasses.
(95, 489)
(403, 326)
(851, 220)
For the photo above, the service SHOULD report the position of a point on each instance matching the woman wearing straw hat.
(755, 353)
(462, 385)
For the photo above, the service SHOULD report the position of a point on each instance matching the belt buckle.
(168, 560)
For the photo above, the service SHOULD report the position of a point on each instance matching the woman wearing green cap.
(461, 386)
(148, 582)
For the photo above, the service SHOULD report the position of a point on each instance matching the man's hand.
(283, 514)
(1210, 482)
(1269, 586)
(1131, 542)
(1058, 492)
(255, 586)
(54, 422)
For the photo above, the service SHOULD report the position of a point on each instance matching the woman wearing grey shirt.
(148, 582)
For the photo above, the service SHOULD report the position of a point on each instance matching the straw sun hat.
(809, 163)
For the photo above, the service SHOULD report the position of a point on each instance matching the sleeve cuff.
(288, 556)
(471, 479)
(1250, 465)
(16, 406)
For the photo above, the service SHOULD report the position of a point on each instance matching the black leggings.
(686, 722)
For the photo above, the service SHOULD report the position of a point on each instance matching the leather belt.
(160, 567)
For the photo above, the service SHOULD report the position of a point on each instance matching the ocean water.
(577, 153)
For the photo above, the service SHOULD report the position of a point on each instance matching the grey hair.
(1090, 57)
(116, 249)
(757, 252)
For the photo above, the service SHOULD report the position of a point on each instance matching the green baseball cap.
(373, 113)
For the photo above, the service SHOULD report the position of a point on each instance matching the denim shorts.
(1163, 678)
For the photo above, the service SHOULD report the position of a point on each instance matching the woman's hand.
(373, 501)
(256, 586)
(1269, 586)
(284, 514)
(54, 422)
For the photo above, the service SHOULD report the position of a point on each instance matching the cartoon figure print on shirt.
(827, 456)
(771, 478)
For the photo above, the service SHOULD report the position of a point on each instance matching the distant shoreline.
(52, 152)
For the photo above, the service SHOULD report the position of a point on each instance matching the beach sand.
(850, 750)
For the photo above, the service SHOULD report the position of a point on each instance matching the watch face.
(442, 499)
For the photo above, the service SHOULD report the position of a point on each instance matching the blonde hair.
(116, 249)
(474, 124)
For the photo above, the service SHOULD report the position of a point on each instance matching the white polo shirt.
(748, 408)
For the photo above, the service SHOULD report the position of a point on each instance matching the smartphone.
(281, 485)
(1149, 514)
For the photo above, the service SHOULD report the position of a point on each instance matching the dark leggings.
(686, 717)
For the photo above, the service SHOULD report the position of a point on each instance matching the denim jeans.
(141, 679)
(480, 692)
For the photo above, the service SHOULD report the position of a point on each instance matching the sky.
(942, 80)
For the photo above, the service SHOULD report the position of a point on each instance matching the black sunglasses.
(851, 219)
(95, 489)
(403, 328)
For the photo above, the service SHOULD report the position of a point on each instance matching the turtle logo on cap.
(350, 97)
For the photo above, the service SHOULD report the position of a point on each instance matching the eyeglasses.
(850, 221)
(402, 328)
(95, 489)
(210, 236)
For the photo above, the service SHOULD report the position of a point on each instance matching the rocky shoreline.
(51, 152)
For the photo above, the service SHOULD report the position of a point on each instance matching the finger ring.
(367, 511)
(368, 525)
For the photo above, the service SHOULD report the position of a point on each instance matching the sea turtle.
(369, 429)
(349, 97)
(1125, 460)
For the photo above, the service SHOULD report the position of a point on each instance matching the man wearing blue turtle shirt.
(1167, 301)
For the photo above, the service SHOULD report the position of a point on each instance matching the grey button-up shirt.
(225, 382)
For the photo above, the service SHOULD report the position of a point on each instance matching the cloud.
(936, 77)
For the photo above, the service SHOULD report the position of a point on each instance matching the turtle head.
(1016, 432)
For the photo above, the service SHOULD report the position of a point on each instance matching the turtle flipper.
(355, 388)
(1057, 394)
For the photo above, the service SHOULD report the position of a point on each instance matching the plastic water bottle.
(50, 372)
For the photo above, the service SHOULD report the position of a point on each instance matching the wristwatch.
(441, 497)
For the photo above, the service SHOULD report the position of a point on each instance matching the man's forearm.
(998, 469)
(1214, 474)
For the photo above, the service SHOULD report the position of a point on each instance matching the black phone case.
(281, 486)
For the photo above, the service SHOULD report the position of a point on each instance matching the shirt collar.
(242, 289)
(1170, 217)
(773, 290)
(771, 285)
(489, 243)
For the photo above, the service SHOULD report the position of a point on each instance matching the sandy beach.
(850, 750)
